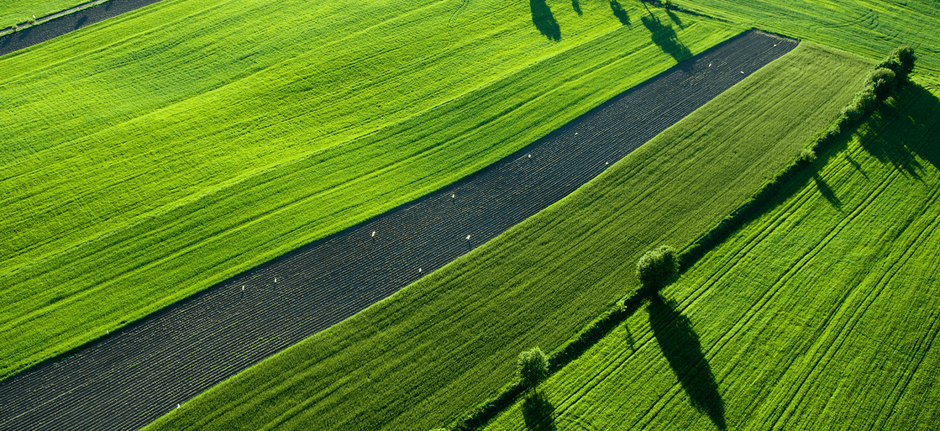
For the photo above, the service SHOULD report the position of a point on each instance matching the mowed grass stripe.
(185, 209)
(445, 343)
(821, 311)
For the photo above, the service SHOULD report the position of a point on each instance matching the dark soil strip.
(68, 23)
(135, 375)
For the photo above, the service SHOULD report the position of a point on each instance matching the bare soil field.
(133, 376)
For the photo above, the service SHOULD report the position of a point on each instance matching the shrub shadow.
(537, 412)
(665, 37)
(620, 12)
(683, 351)
(544, 20)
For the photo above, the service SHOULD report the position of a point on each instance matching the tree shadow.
(537, 412)
(683, 351)
(675, 18)
(25, 33)
(81, 21)
(544, 20)
(826, 191)
(620, 12)
(665, 37)
(856, 165)
(890, 134)
(576, 6)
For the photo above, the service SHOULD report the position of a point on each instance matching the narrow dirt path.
(135, 375)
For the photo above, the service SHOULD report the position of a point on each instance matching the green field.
(277, 125)
(822, 311)
(21, 11)
(440, 346)
(869, 28)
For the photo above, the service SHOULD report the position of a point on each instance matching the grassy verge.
(126, 194)
(444, 344)
(869, 28)
(823, 310)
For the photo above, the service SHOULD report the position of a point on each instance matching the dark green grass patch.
(822, 311)
(441, 346)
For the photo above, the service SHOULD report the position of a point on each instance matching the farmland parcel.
(186, 348)
(442, 345)
(232, 147)
(824, 310)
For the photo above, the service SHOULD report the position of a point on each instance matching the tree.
(658, 267)
(532, 366)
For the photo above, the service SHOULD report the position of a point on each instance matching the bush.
(532, 366)
(807, 156)
(658, 267)
(866, 102)
(852, 114)
(883, 82)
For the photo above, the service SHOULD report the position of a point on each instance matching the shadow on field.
(537, 412)
(620, 12)
(826, 191)
(675, 18)
(682, 349)
(894, 136)
(544, 20)
(576, 6)
(665, 37)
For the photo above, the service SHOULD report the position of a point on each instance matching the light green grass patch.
(440, 346)
(200, 142)
(824, 310)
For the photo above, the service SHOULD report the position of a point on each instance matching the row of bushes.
(659, 267)
(884, 82)
(889, 76)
